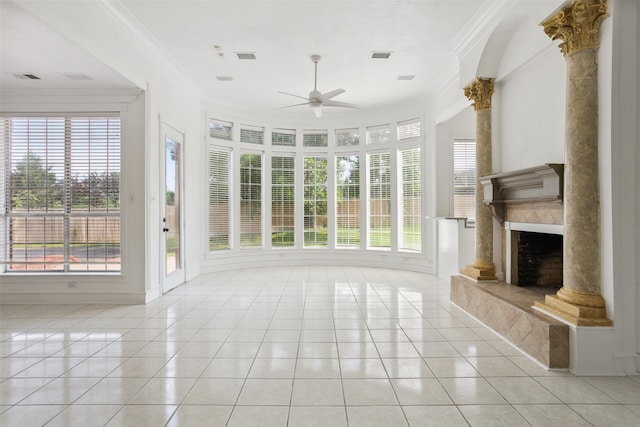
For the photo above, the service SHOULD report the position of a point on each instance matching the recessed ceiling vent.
(245, 55)
(224, 78)
(407, 77)
(77, 76)
(380, 55)
(26, 76)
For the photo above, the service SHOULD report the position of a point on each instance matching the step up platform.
(507, 309)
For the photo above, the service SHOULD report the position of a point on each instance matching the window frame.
(108, 161)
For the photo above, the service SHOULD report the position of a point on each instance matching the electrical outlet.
(72, 285)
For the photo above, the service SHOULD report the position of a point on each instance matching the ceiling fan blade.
(294, 105)
(327, 96)
(297, 96)
(339, 104)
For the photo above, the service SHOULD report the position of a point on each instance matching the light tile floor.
(298, 346)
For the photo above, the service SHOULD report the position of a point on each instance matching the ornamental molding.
(479, 91)
(577, 24)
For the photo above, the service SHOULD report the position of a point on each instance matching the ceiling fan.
(317, 99)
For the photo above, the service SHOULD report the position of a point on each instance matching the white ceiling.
(27, 46)
(421, 34)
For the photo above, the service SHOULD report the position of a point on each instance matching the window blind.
(250, 201)
(219, 199)
(221, 129)
(284, 137)
(378, 134)
(315, 202)
(464, 178)
(252, 135)
(62, 193)
(409, 129)
(347, 137)
(380, 200)
(315, 138)
(282, 201)
(411, 222)
(348, 201)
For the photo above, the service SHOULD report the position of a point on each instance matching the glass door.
(172, 223)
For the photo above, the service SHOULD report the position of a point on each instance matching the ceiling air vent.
(224, 78)
(380, 55)
(407, 77)
(246, 55)
(26, 76)
(76, 76)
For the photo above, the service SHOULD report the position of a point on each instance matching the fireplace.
(533, 254)
(528, 203)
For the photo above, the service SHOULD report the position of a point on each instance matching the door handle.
(165, 230)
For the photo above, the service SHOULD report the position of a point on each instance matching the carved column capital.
(479, 91)
(577, 24)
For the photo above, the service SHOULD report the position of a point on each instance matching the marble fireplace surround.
(524, 200)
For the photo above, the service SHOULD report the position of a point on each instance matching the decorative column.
(577, 24)
(483, 268)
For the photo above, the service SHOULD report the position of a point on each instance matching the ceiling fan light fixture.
(380, 55)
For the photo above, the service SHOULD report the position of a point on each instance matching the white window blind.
(315, 202)
(464, 178)
(378, 134)
(315, 138)
(61, 181)
(284, 137)
(252, 135)
(411, 233)
(282, 201)
(219, 199)
(409, 129)
(221, 129)
(250, 201)
(379, 200)
(347, 137)
(348, 201)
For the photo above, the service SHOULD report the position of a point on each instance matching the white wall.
(104, 30)
(111, 288)
(528, 130)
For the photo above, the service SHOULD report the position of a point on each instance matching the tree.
(34, 186)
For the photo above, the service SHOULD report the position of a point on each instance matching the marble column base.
(480, 271)
(588, 311)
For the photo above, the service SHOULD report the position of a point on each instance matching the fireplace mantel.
(536, 184)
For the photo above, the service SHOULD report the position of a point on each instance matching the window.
(286, 137)
(378, 134)
(282, 201)
(348, 202)
(380, 200)
(221, 129)
(61, 191)
(409, 129)
(315, 138)
(219, 198)
(315, 202)
(347, 137)
(252, 135)
(250, 201)
(411, 219)
(464, 178)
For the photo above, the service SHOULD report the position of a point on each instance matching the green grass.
(319, 237)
